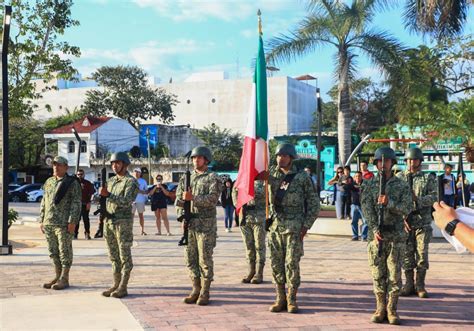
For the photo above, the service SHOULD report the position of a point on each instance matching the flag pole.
(267, 212)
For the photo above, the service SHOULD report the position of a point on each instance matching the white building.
(99, 135)
(213, 99)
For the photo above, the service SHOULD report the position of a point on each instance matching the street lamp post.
(6, 248)
(318, 170)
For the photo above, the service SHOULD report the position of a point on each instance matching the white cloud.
(199, 10)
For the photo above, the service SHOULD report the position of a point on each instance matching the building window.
(83, 146)
(71, 147)
(213, 100)
(188, 102)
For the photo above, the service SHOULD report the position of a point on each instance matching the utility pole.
(320, 113)
(149, 154)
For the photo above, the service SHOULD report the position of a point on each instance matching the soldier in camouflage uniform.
(418, 223)
(120, 192)
(203, 194)
(386, 269)
(252, 226)
(59, 214)
(294, 206)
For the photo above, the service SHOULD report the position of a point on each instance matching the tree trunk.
(344, 112)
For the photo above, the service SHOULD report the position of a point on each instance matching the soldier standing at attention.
(397, 202)
(252, 226)
(294, 206)
(120, 192)
(59, 214)
(418, 223)
(203, 194)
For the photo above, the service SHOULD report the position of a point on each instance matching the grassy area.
(328, 208)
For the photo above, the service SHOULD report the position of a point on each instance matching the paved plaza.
(336, 291)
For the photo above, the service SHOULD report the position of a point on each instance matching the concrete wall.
(291, 104)
(179, 139)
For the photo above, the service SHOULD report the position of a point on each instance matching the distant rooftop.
(84, 125)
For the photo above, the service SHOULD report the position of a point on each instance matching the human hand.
(88, 206)
(71, 227)
(42, 227)
(263, 175)
(378, 236)
(443, 214)
(104, 192)
(382, 200)
(303, 232)
(187, 195)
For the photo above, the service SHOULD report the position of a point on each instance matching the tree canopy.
(125, 94)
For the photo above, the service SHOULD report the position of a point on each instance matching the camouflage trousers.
(254, 240)
(386, 269)
(286, 250)
(119, 239)
(59, 245)
(416, 250)
(198, 254)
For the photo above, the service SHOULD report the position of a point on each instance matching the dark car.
(13, 186)
(21, 193)
(171, 188)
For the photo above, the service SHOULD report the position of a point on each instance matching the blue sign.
(152, 130)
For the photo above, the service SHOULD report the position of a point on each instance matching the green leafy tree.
(36, 53)
(225, 145)
(435, 18)
(346, 28)
(125, 94)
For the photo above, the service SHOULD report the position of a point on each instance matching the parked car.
(13, 187)
(21, 193)
(35, 196)
(327, 196)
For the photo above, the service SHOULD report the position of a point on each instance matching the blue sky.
(174, 38)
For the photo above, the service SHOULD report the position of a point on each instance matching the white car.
(35, 196)
(327, 196)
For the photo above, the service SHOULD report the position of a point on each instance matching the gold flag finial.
(259, 14)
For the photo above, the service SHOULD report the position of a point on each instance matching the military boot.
(381, 311)
(420, 283)
(409, 287)
(194, 295)
(87, 235)
(63, 281)
(280, 302)
(117, 278)
(292, 307)
(203, 299)
(250, 275)
(392, 309)
(258, 278)
(57, 269)
(121, 290)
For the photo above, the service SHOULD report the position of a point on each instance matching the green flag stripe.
(260, 80)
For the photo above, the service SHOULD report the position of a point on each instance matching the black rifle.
(102, 210)
(382, 182)
(411, 214)
(186, 216)
(243, 221)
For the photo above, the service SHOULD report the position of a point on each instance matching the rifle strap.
(63, 188)
(283, 188)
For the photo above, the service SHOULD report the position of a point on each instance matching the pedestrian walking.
(141, 199)
(159, 204)
(342, 186)
(227, 204)
(356, 212)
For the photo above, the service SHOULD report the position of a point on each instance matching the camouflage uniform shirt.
(123, 191)
(69, 208)
(425, 190)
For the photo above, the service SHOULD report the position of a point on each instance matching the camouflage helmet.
(386, 152)
(414, 153)
(286, 149)
(202, 151)
(120, 156)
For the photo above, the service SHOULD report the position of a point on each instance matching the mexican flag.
(254, 157)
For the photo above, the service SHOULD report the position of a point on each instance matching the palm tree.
(346, 28)
(438, 18)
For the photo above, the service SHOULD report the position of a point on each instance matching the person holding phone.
(159, 204)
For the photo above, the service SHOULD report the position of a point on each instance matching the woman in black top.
(159, 204)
